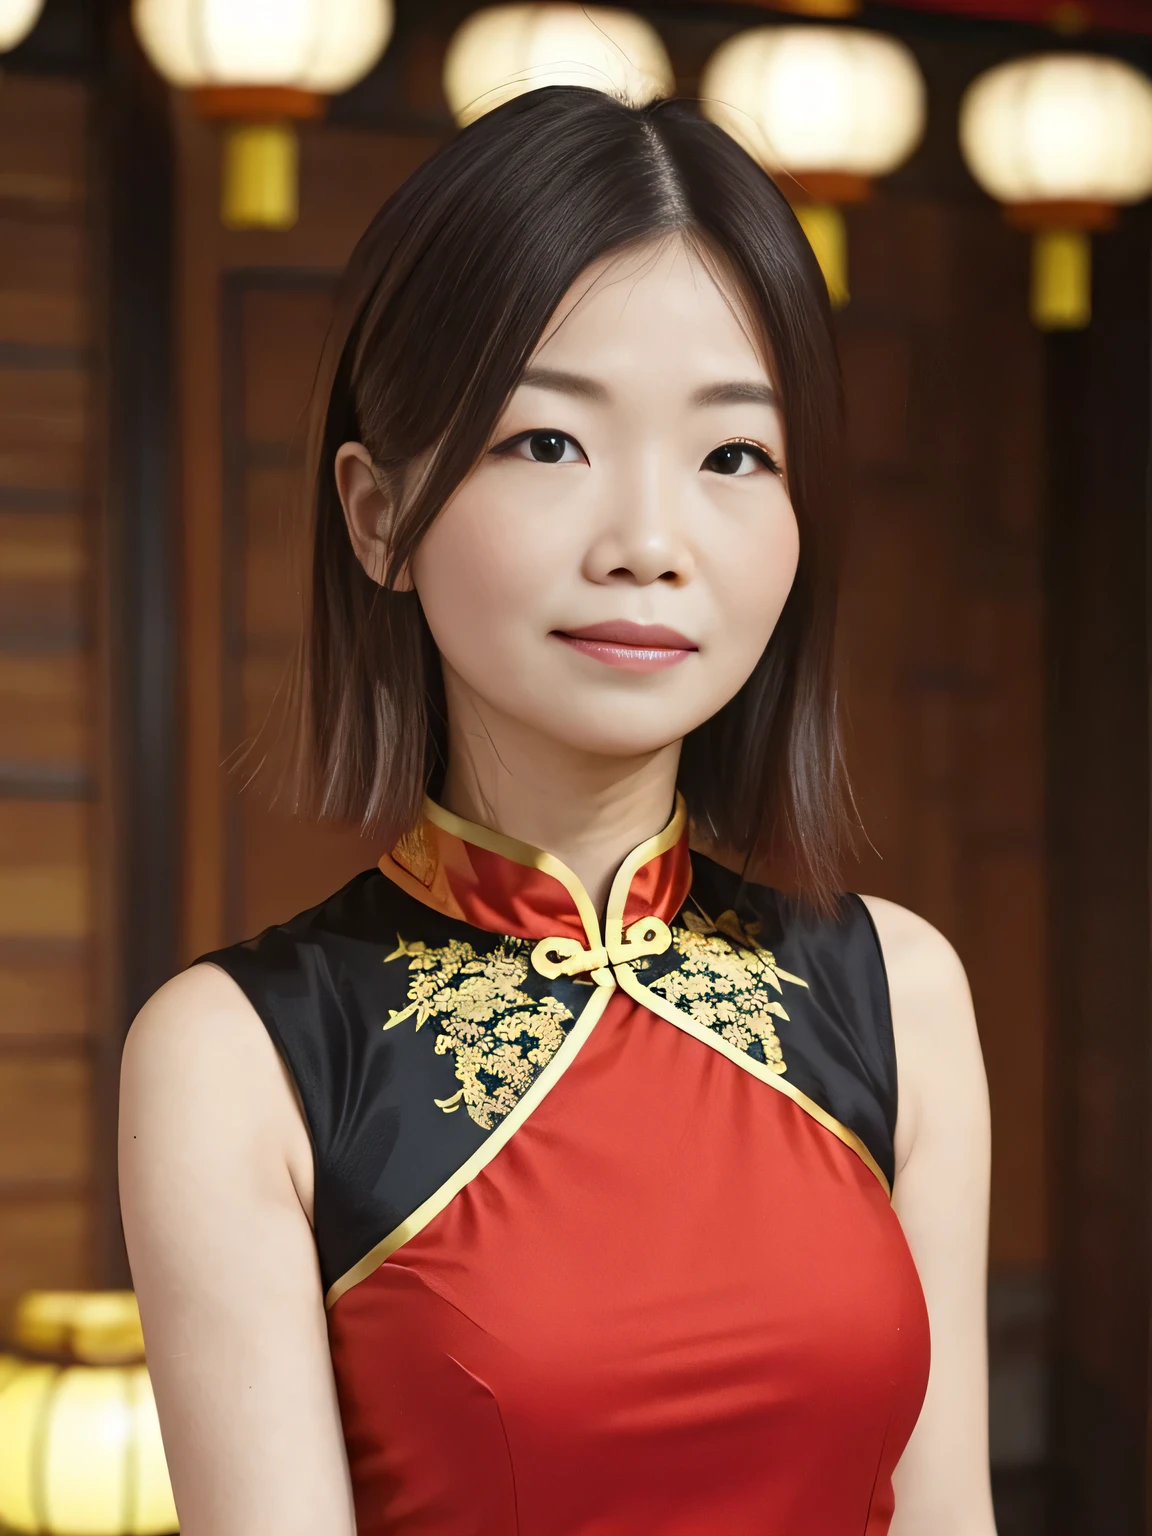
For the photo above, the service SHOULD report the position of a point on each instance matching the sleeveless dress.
(602, 1213)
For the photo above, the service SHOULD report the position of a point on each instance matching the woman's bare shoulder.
(215, 1182)
(201, 1021)
(201, 1008)
(941, 1198)
(926, 978)
(199, 1067)
(937, 1043)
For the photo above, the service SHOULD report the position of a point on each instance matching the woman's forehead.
(665, 298)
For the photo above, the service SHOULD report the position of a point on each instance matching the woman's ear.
(368, 512)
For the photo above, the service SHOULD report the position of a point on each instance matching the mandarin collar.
(481, 877)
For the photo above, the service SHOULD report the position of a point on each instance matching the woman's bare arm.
(215, 1184)
(941, 1197)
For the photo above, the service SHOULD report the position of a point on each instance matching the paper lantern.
(503, 51)
(826, 109)
(17, 18)
(1061, 140)
(80, 1447)
(258, 66)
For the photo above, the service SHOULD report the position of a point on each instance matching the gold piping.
(536, 858)
(513, 1120)
(520, 853)
(665, 1010)
(652, 849)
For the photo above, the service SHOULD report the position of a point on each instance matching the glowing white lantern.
(17, 18)
(1061, 139)
(503, 51)
(830, 108)
(80, 1447)
(258, 64)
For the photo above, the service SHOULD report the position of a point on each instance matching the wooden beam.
(1098, 836)
(134, 243)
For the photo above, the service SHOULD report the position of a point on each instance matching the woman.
(592, 1147)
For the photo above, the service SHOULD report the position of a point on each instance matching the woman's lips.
(630, 646)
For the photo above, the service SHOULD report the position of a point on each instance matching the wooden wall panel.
(275, 325)
(254, 308)
(42, 299)
(1098, 407)
(941, 635)
(43, 417)
(44, 1120)
(47, 1240)
(44, 873)
(45, 992)
(47, 692)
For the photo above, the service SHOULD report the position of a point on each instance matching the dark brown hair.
(440, 308)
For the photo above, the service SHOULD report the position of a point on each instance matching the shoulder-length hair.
(438, 312)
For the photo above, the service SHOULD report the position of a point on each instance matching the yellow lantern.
(80, 1447)
(1060, 139)
(259, 69)
(827, 109)
(17, 18)
(505, 50)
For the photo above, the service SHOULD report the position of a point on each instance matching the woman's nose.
(640, 534)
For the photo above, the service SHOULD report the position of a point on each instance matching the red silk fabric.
(496, 893)
(673, 1303)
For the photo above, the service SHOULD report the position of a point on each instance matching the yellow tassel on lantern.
(1061, 279)
(823, 224)
(260, 176)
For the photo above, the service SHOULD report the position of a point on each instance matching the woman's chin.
(612, 733)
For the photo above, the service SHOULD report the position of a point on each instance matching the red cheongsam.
(602, 1203)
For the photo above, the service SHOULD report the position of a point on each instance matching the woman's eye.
(547, 448)
(740, 459)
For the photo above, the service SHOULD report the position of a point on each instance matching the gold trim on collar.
(511, 1123)
(639, 993)
(636, 860)
(519, 853)
(536, 858)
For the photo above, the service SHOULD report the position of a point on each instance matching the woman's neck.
(588, 810)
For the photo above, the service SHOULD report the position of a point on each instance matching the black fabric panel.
(324, 988)
(837, 1040)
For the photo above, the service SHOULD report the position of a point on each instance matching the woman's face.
(613, 568)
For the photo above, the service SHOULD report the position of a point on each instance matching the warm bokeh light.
(1060, 127)
(826, 108)
(817, 98)
(313, 45)
(80, 1446)
(257, 65)
(17, 18)
(1060, 139)
(503, 51)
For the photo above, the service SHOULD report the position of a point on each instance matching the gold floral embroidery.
(722, 980)
(499, 1035)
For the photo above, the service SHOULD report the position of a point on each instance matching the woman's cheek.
(476, 574)
(751, 578)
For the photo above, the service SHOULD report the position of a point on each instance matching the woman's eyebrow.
(733, 391)
(729, 392)
(564, 383)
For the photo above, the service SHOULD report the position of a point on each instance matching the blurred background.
(170, 239)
